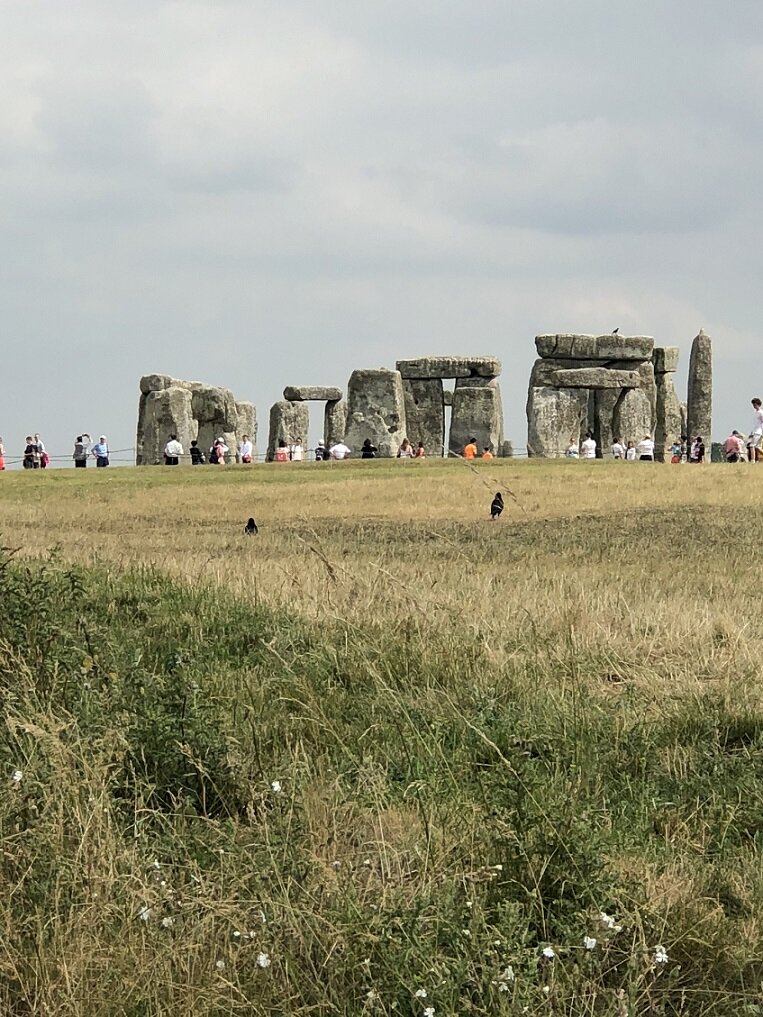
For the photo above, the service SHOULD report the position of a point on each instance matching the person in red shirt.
(733, 447)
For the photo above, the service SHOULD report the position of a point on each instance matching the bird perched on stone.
(251, 528)
(615, 330)
(496, 506)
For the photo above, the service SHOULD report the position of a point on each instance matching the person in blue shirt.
(101, 451)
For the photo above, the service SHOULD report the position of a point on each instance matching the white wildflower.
(275, 787)
(367, 863)
(507, 975)
(660, 955)
(503, 986)
(606, 921)
(17, 776)
(546, 990)
(372, 995)
(469, 903)
(498, 868)
(220, 965)
(420, 994)
(467, 933)
(336, 866)
(167, 922)
(144, 914)
(589, 942)
(263, 960)
(429, 1011)
(156, 864)
(548, 952)
(237, 934)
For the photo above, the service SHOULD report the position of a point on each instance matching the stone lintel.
(450, 367)
(308, 393)
(665, 359)
(594, 347)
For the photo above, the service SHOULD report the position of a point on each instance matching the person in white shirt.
(588, 447)
(645, 449)
(572, 449)
(755, 440)
(630, 452)
(339, 451)
(618, 449)
(296, 451)
(245, 449)
(172, 451)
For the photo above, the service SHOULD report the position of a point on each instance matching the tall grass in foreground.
(210, 806)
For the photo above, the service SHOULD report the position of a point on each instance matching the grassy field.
(385, 748)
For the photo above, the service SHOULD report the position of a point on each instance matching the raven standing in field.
(496, 506)
(251, 528)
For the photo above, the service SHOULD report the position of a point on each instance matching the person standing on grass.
(81, 449)
(340, 451)
(470, 449)
(31, 459)
(2, 455)
(100, 452)
(173, 450)
(44, 457)
(322, 453)
(697, 454)
(756, 434)
(197, 456)
(296, 451)
(588, 447)
(630, 453)
(245, 449)
(733, 447)
(281, 454)
(618, 449)
(645, 449)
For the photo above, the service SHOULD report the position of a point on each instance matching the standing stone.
(375, 410)
(477, 412)
(507, 450)
(604, 432)
(246, 423)
(684, 420)
(162, 413)
(633, 416)
(668, 427)
(216, 414)
(425, 413)
(334, 421)
(700, 389)
(289, 421)
(554, 416)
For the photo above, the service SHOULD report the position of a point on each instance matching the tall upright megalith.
(699, 409)
(375, 410)
(425, 413)
(289, 422)
(477, 413)
(668, 426)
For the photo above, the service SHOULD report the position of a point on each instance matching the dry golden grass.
(636, 561)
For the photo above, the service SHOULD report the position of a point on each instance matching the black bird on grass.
(496, 506)
(251, 528)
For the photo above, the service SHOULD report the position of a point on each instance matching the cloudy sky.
(256, 193)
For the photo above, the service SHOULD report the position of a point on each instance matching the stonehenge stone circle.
(192, 411)
(699, 402)
(307, 393)
(425, 413)
(477, 413)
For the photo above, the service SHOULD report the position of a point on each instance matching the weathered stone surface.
(700, 388)
(163, 412)
(246, 423)
(668, 423)
(156, 382)
(217, 416)
(665, 359)
(316, 393)
(375, 410)
(507, 450)
(544, 370)
(477, 412)
(450, 367)
(334, 421)
(684, 419)
(595, 377)
(592, 347)
(289, 422)
(633, 416)
(554, 416)
(425, 413)
(605, 401)
(447, 397)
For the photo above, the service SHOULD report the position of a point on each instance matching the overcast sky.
(256, 193)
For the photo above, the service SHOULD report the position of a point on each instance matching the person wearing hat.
(101, 451)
